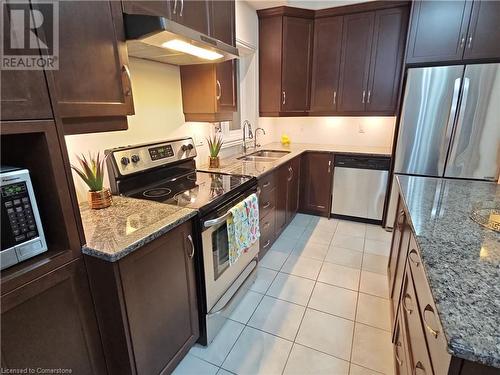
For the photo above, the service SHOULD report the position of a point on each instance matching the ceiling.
(307, 4)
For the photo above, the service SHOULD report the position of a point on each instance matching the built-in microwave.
(22, 232)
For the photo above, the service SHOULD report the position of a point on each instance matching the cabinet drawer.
(400, 346)
(267, 183)
(428, 313)
(418, 354)
(267, 232)
(267, 202)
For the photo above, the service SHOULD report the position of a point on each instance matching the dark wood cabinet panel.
(93, 79)
(149, 7)
(222, 21)
(267, 232)
(282, 176)
(24, 93)
(209, 91)
(355, 62)
(193, 14)
(160, 298)
(438, 31)
(316, 183)
(292, 195)
(50, 323)
(270, 57)
(296, 67)
(483, 35)
(389, 37)
(146, 304)
(326, 64)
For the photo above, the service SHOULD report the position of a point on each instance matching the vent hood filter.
(160, 39)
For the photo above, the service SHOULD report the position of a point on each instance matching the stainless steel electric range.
(166, 172)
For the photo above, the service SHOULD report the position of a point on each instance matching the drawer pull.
(396, 354)
(433, 331)
(267, 244)
(266, 205)
(413, 256)
(266, 184)
(266, 224)
(407, 309)
(401, 219)
(419, 366)
(190, 239)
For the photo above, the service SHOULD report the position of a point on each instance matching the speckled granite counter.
(253, 168)
(127, 225)
(461, 260)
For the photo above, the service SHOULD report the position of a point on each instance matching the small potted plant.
(92, 173)
(214, 146)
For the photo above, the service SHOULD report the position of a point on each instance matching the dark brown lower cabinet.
(292, 189)
(316, 183)
(50, 323)
(146, 304)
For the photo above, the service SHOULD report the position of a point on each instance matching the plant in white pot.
(91, 171)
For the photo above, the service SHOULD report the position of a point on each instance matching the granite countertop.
(461, 260)
(232, 165)
(127, 225)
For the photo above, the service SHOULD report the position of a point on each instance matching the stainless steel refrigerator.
(450, 125)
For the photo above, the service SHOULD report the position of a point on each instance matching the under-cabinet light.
(181, 46)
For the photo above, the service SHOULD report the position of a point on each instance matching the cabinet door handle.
(407, 309)
(364, 94)
(369, 95)
(175, 6)
(396, 354)
(128, 90)
(462, 42)
(401, 220)
(266, 224)
(266, 205)
(190, 239)
(334, 97)
(267, 244)
(182, 8)
(329, 166)
(469, 44)
(284, 97)
(266, 184)
(419, 366)
(434, 332)
(290, 171)
(414, 258)
(219, 90)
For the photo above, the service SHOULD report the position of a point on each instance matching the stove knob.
(184, 148)
(190, 146)
(125, 160)
(135, 158)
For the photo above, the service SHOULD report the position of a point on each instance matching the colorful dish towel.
(243, 227)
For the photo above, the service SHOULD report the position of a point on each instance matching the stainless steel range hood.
(163, 40)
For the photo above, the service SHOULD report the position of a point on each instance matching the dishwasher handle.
(362, 162)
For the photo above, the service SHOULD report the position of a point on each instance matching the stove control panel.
(138, 158)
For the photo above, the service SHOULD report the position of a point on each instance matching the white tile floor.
(319, 306)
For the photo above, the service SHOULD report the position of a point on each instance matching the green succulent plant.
(91, 171)
(214, 145)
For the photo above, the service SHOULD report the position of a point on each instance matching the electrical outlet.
(361, 128)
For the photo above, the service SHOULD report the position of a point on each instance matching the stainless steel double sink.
(264, 156)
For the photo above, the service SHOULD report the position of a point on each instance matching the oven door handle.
(218, 220)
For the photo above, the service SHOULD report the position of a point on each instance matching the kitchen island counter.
(461, 260)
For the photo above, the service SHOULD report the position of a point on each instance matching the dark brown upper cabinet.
(285, 49)
(355, 62)
(444, 31)
(438, 31)
(316, 183)
(389, 37)
(483, 37)
(222, 21)
(91, 91)
(326, 64)
(209, 91)
(192, 13)
(24, 93)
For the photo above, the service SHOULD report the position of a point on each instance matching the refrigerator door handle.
(449, 126)
(460, 119)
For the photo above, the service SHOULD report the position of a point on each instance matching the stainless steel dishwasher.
(359, 187)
